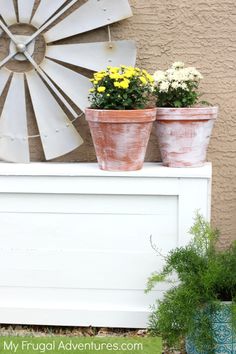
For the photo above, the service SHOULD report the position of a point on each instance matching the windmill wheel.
(49, 79)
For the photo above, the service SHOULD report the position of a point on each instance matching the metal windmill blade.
(45, 10)
(4, 77)
(93, 14)
(7, 11)
(14, 144)
(95, 56)
(25, 8)
(57, 133)
(74, 85)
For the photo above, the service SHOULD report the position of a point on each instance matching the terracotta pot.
(184, 135)
(120, 137)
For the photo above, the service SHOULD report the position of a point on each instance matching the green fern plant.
(207, 276)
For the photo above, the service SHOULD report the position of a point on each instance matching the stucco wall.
(200, 33)
(203, 34)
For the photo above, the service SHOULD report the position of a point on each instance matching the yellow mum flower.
(92, 90)
(97, 79)
(143, 80)
(114, 70)
(124, 84)
(101, 89)
(100, 75)
(116, 84)
(129, 73)
(115, 76)
(150, 78)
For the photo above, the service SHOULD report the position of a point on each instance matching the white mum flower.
(159, 75)
(189, 74)
(170, 73)
(197, 74)
(184, 86)
(164, 86)
(193, 73)
(178, 65)
(175, 85)
(180, 75)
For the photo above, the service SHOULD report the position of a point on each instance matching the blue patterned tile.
(190, 348)
(234, 337)
(223, 333)
(220, 349)
(224, 349)
(223, 315)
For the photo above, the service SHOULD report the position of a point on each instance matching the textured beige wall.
(200, 33)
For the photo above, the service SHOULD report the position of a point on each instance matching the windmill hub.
(21, 47)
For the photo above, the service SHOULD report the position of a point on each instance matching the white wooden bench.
(75, 241)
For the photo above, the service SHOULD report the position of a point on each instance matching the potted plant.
(183, 128)
(119, 120)
(201, 306)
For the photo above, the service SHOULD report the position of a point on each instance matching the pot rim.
(121, 116)
(189, 108)
(121, 110)
(187, 113)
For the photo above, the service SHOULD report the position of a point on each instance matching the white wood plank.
(25, 8)
(95, 56)
(90, 270)
(138, 318)
(58, 135)
(129, 232)
(93, 14)
(74, 85)
(88, 204)
(45, 10)
(7, 11)
(14, 145)
(89, 185)
(152, 170)
(76, 298)
(76, 307)
(88, 245)
(192, 190)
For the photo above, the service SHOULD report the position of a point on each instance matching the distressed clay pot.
(120, 137)
(224, 333)
(184, 135)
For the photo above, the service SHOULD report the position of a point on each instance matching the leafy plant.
(177, 87)
(206, 276)
(121, 88)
